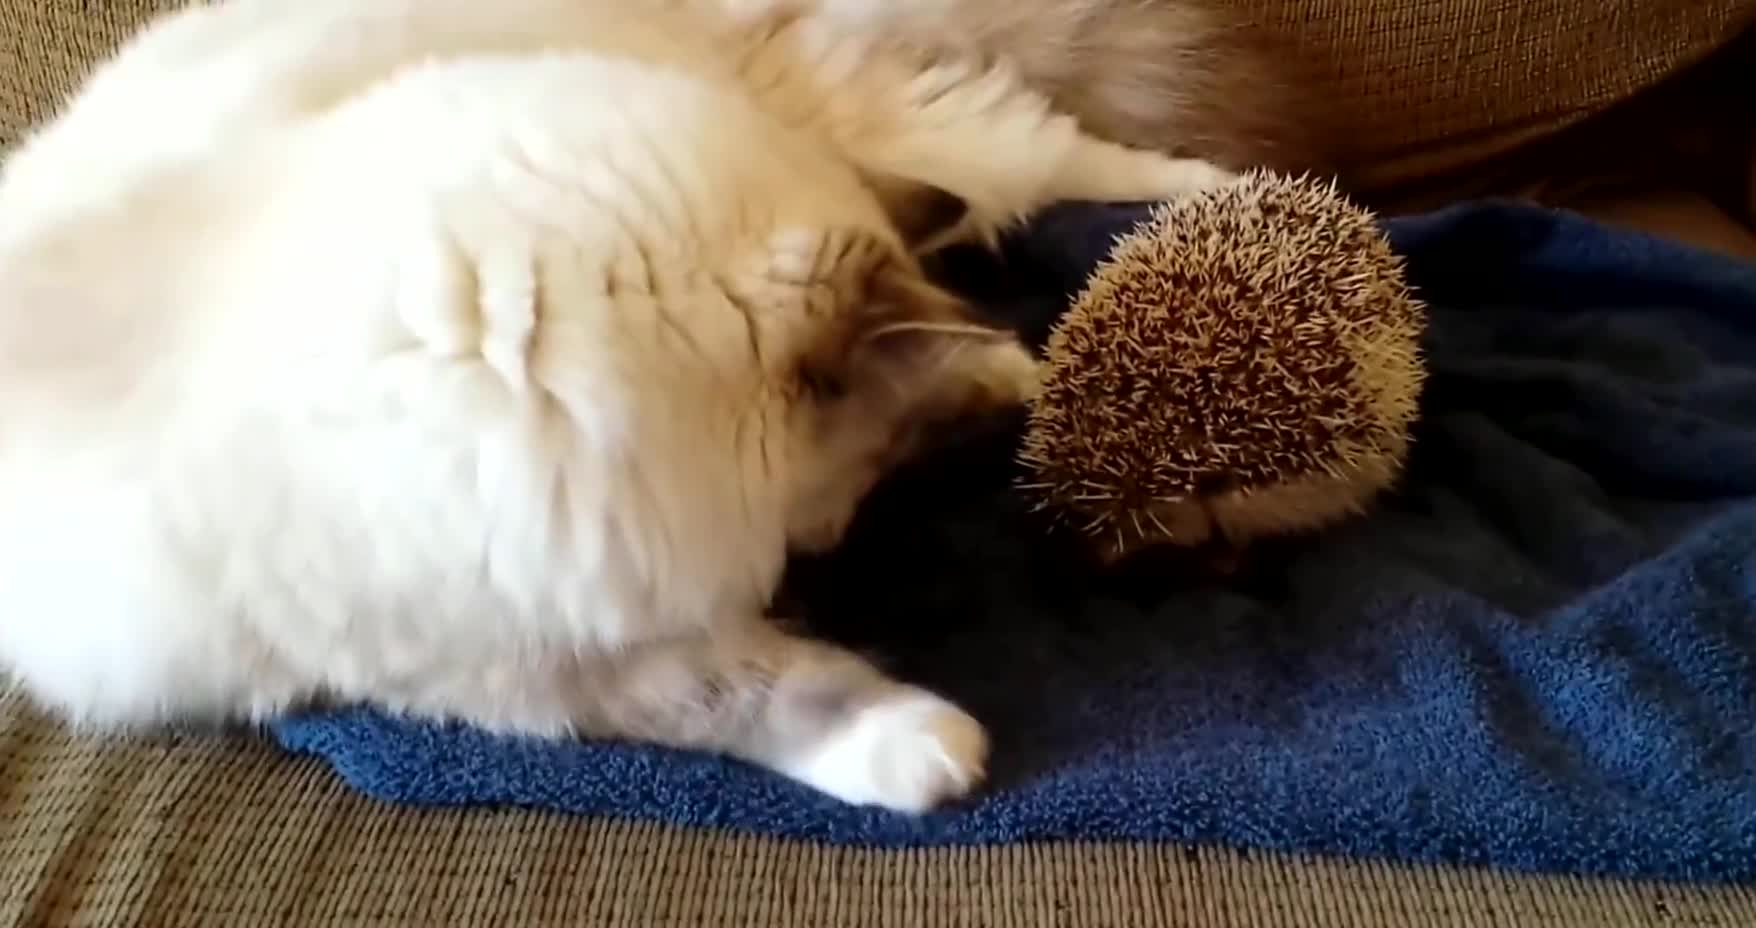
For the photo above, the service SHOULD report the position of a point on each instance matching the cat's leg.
(1093, 169)
(807, 709)
(192, 82)
(206, 76)
(962, 125)
(212, 70)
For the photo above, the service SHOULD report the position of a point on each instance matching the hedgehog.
(1246, 362)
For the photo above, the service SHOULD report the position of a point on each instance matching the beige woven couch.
(1552, 97)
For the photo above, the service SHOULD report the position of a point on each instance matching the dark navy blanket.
(1539, 653)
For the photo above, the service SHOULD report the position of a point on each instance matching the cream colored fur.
(484, 361)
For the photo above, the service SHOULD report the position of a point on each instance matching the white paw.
(1184, 176)
(1009, 375)
(1023, 375)
(909, 753)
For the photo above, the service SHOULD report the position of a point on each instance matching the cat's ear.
(922, 214)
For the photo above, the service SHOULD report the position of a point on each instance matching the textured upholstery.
(220, 831)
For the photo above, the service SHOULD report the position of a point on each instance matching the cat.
(484, 362)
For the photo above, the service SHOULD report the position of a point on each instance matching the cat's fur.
(483, 361)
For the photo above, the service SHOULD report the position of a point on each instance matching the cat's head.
(856, 358)
(820, 358)
(777, 347)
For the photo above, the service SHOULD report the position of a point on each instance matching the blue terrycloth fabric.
(1539, 653)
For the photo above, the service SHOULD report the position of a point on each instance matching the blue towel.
(1540, 653)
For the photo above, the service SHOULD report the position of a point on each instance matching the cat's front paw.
(1184, 176)
(1001, 375)
(910, 753)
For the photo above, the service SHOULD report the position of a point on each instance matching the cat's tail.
(1185, 77)
(1195, 81)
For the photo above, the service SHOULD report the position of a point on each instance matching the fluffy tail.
(1178, 76)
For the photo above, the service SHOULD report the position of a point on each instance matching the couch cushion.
(226, 831)
(1422, 86)
(1432, 86)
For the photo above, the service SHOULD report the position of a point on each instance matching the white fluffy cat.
(483, 361)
